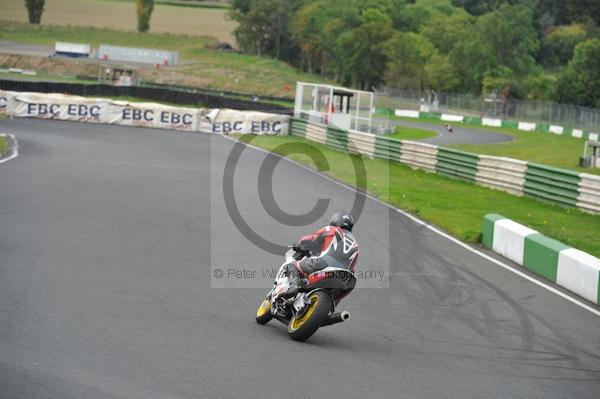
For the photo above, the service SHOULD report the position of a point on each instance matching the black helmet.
(343, 220)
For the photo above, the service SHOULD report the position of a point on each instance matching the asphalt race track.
(459, 135)
(106, 248)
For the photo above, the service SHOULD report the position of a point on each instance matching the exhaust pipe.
(335, 318)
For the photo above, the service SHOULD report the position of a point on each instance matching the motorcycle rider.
(333, 245)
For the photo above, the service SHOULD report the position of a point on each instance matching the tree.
(360, 50)
(316, 27)
(445, 31)
(262, 26)
(408, 54)
(558, 45)
(35, 8)
(144, 12)
(510, 37)
(580, 81)
(441, 75)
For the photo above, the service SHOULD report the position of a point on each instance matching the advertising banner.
(59, 106)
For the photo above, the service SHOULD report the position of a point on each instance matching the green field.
(202, 67)
(456, 206)
(46, 77)
(188, 3)
(411, 133)
(120, 15)
(546, 148)
(3, 144)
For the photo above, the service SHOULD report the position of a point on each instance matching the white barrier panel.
(579, 272)
(227, 121)
(556, 129)
(97, 110)
(526, 126)
(452, 118)
(59, 106)
(593, 136)
(407, 113)
(577, 133)
(153, 115)
(491, 122)
(509, 239)
(5, 99)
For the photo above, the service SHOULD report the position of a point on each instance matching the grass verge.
(168, 16)
(187, 3)
(3, 144)
(546, 148)
(201, 66)
(456, 206)
(411, 133)
(46, 77)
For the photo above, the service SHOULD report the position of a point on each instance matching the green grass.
(49, 34)
(40, 76)
(546, 148)
(201, 67)
(168, 16)
(411, 133)
(188, 3)
(456, 206)
(3, 144)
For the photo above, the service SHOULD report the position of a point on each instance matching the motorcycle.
(315, 303)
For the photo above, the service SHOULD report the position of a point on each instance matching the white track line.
(14, 150)
(437, 231)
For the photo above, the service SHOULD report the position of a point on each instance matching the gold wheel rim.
(264, 307)
(298, 322)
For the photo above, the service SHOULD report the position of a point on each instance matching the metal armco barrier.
(150, 93)
(516, 177)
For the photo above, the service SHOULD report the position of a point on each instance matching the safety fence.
(542, 112)
(160, 94)
(152, 115)
(494, 122)
(568, 267)
(516, 177)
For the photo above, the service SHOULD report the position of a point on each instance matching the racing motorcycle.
(315, 303)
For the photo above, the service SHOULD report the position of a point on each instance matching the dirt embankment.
(88, 68)
(51, 66)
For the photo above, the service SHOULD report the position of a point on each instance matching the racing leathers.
(331, 246)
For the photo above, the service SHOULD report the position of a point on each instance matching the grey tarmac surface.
(8, 47)
(107, 244)
(459, 135)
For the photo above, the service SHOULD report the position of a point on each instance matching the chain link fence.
(492, 106)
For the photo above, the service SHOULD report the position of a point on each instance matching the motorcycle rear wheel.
(263, 314)
(303, 326)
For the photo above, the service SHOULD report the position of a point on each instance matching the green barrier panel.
(541, 255)
(298, 127)
(510, 124)
(388, 148)
(431, 115)
(337, 139)
(554, 184)
(487, 237)
(472, 120)
(543, 127)
(385, 111)
(456, 163)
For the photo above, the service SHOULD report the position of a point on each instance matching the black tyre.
(263, 314)
(302, 327)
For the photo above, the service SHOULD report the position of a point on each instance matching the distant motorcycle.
(315, 303)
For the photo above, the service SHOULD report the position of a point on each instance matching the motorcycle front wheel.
(304, 325)
(263, 314)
